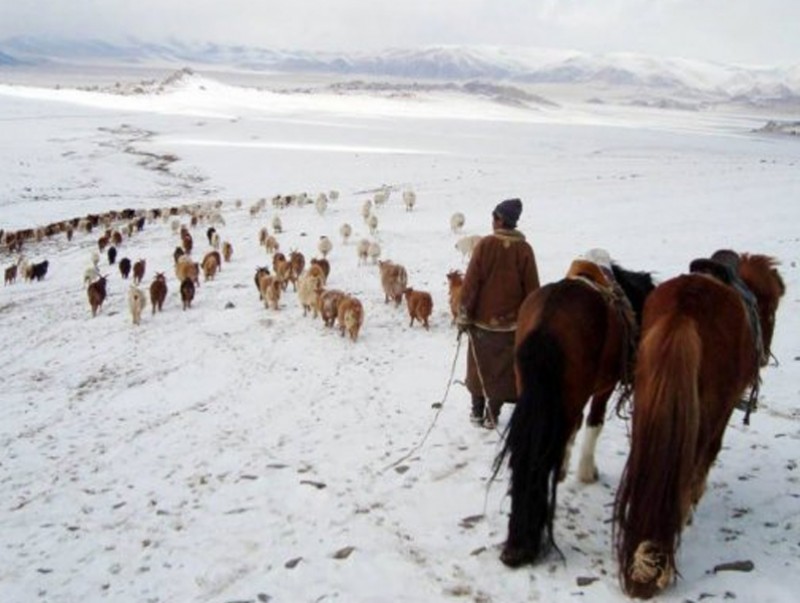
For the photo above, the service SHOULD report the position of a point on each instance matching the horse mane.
(636, 285)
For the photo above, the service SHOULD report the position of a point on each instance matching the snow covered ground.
(233, 453)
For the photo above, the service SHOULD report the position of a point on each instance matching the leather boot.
(478, 406)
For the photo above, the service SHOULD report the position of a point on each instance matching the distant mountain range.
(697, 81)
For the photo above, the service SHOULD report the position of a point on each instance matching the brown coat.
(501, 274)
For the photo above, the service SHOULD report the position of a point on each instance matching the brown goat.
(11, 274)
(97, 294)
(455, 280)
(420, 306)
(324, 264)
(328, 305)
(158, 291)
(138, 271)
(350, 317)
(187, 292)
(394, 281)
(227, 251)
(210, 265)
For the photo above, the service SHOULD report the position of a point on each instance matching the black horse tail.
(535, 441)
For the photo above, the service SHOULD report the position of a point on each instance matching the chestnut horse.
(698, 354)
(575, 340)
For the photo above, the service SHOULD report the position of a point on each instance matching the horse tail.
(655, 491)
(535, 443)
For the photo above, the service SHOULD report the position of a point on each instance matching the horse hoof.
(514, 557)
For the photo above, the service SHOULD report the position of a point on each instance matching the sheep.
(309, 289)
(324, 246)
(366, 210)
(455, 281)
(277, 225)
(382, 196)
(345, 230)
(227, 251)
(409, 199)
(138, 271)
(467, 244)
(90, 274)
(125, 267)
(350, 316)
(363, 251)
(394, 280)
(374, 252)
(420, 306)
(96, 292)
(187, 292)
(210, 265)
(457, 222)
(372, 223)
(158, 292)
(95, 257)
(321, 204)
(328, 305)
(136, 303)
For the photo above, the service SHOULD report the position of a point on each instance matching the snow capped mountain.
(686, 78)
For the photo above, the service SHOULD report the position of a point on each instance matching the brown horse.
(574, 341)
(698, 353)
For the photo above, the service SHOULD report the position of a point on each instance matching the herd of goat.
(309, 282)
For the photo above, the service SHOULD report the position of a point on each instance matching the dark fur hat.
(508, 212)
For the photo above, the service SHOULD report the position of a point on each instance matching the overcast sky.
(731, 31)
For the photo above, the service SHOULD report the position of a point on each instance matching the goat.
(297, 262)
(215, 240)
(158, 291)
(324, 246)
(186, 268)
(187, 242)
(96, 292)
(394, 281)
(271, 244)
(125, 267)
(210, 232)
(309, 289)
(187, 292)
(350, 316)
(178, 253)
(259, 271)
(262, 236)
(210, 264)
(457, 222)
(11, 274)
(366, 210)
(38, 270)
(328, 305)
(283, 270)
(138, 271)
(420, 306)
(227, 251)
(136, 303)
(112, 255)
(467, 244)
(323, 265)
(455, 281)
(270, 288)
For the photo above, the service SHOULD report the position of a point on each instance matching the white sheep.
(345, 230)
(374, 252)
(372, 223)
(457, 222)
(321, 204)
(363, 251)
(467, 244)
(277, 225)
(90, 274)
(136, 303)
(333, 195)
(324, 246)
(309, 289)
(366, 210)
(409, 199)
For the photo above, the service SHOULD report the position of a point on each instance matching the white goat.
(409, 199)
(467, 244)
(136, 303)
(363, 251)
(372, 223)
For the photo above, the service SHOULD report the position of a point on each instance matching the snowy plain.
(233, 453)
